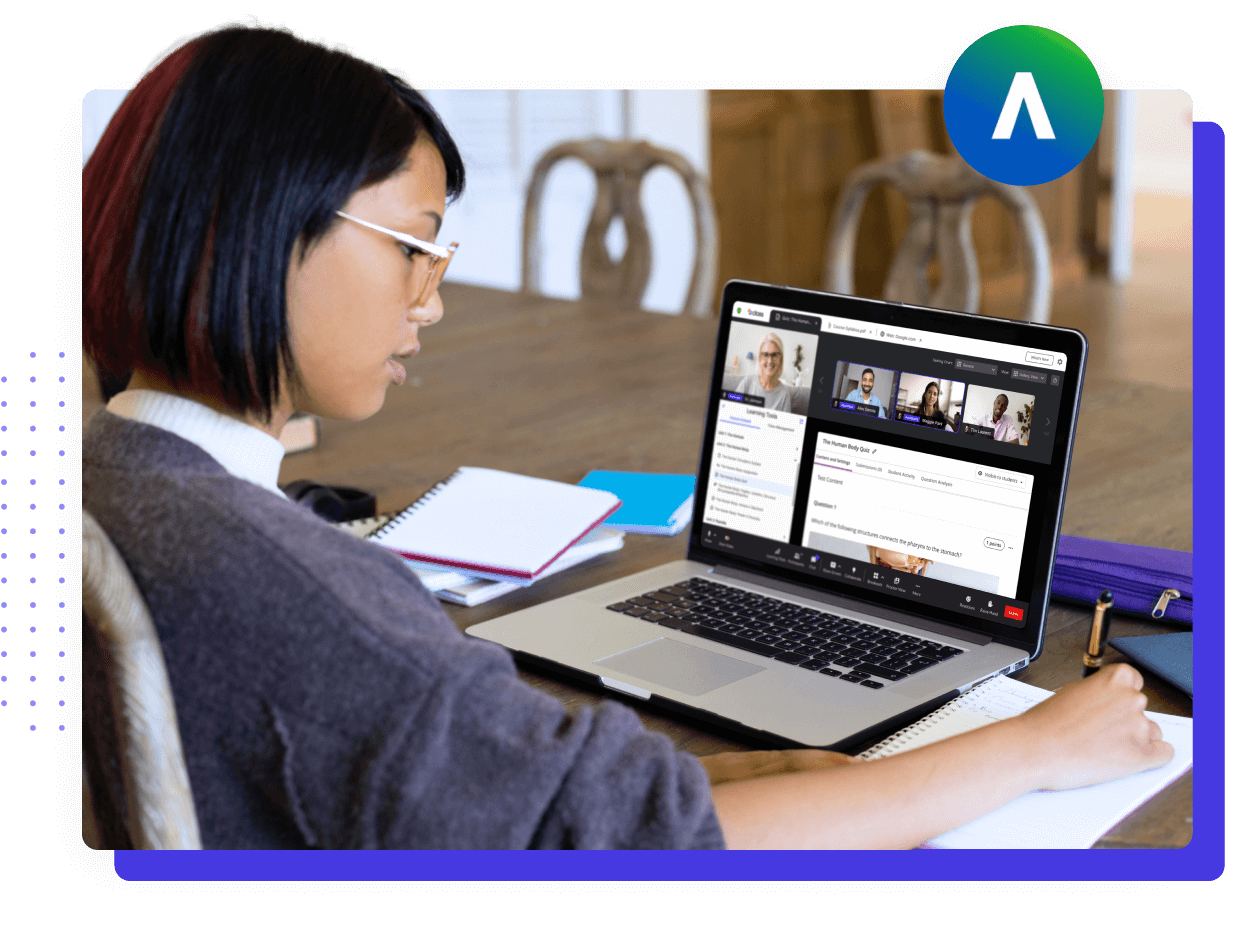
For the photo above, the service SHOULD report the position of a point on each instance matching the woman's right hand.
(1093, 730)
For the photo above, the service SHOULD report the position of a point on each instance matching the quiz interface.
(895, 460)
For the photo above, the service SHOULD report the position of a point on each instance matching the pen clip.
(1159, 609)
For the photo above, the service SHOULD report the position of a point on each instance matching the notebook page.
(495, 520)
(1077, 818)
(996, 699)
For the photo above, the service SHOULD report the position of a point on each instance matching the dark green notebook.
(1165, 654)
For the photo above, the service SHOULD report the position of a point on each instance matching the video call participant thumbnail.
(1001, 415)
(861, 389)
(781, 365)
(931, 402)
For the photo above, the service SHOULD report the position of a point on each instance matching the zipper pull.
(1159, 609)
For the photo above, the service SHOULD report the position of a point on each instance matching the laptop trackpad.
(679, 666)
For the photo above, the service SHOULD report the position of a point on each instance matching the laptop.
(876, 513)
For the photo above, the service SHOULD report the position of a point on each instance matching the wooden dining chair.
(941, 193)
(619, 167)
(160, 809)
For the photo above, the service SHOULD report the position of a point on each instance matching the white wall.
(1162, 143)
(98, 107)
(501, 134)
(1152, 158)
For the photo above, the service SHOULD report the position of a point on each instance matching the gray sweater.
(325, 700)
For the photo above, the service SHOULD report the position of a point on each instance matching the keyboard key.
(832, 672)
(850, 677)
(888, 673)
(870, 683)
(642, 601)
(828, 656)
(636, 611)
(729, 639)
(858, 676)
(792, 658)
(623, 605)
(814, 664)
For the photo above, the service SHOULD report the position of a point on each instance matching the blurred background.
(1119, 226)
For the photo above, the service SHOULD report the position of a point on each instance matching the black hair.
(258, 139)
(868, 371)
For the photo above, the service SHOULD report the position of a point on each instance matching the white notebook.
(469, 592)
(495, 524)
(1072, 819)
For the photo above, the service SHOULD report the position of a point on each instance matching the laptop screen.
(911, 457)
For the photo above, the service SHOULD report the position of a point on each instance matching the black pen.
(1100, 634)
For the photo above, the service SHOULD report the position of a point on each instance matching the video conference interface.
(873, 458)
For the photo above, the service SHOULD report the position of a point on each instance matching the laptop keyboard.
(853, 651)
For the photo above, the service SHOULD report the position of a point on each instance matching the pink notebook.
(495, 524)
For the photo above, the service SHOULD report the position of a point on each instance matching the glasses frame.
(438, 256)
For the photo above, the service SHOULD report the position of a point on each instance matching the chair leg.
(91, 835)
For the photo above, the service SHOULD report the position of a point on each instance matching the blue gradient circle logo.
(1023, 105)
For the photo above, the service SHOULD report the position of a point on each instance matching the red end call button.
(1013, 613)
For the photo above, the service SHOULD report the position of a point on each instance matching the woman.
(258, 239)
(928, 409)
(767, 381)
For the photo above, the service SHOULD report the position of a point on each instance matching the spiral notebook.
(1072, 819)
(468, 592)
(495, 524)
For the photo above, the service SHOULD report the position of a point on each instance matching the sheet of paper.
(1077, 818)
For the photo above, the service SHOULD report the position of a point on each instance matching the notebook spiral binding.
(908, 734)
(415, 506)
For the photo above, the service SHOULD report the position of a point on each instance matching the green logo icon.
(1023, 105)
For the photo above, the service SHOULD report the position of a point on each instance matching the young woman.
(259, 226)
(929, 410)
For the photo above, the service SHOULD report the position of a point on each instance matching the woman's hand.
(1093, 730)
(726, 767)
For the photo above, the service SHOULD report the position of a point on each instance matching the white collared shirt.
(244, 450)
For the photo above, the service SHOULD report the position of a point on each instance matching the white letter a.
(1023, 89)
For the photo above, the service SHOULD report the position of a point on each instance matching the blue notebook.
(1165, 654)
(657, 504)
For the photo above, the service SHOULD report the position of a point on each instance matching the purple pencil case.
(1152, 583)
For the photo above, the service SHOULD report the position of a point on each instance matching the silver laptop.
(876, 512)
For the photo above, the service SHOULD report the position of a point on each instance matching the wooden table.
(556, 388)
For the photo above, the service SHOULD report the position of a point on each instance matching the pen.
(1100, 633)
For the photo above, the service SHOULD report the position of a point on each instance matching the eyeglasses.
(438, 256)
(770, 355)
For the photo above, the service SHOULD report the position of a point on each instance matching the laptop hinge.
(851, 603)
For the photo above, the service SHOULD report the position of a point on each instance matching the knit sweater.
(325, 700)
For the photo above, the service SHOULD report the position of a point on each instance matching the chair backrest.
(941, 192)
(160, 810)
(618, 168)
